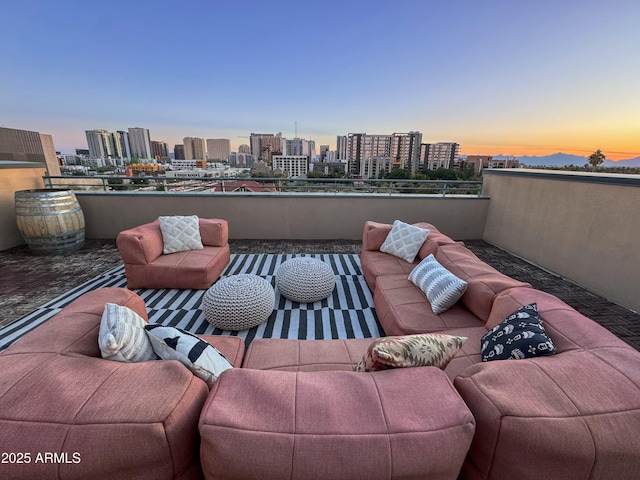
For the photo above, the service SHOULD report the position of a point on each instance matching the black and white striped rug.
(347, 313)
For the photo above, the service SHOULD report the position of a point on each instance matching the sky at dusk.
(511, 77)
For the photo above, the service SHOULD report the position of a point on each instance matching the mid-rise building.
(292, 165)
(140, 143)
(194, 148)
(439, 155)
(218, 149)
(405, 151)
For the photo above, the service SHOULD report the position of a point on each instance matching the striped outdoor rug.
(347, 313)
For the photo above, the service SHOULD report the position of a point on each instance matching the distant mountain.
(561, 159)
(555, 160)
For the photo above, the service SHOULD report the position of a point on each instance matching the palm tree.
(595, 159)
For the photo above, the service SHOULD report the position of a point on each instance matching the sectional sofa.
(296, 409)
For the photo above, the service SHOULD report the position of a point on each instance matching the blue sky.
(512, 77)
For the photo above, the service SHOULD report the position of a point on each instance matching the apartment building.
(140, 142)
(439, 155)
(369, 156)
(218, 149)
(194, 148)
(265, 145)
(292, 165)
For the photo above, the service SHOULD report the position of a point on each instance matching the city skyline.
(525, 78)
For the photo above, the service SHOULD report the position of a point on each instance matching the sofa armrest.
(214, 232)
(374, 235)
(140, 245)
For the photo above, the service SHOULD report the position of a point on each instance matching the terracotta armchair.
(147, 267)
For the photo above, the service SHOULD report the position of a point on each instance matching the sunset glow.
(512, 78)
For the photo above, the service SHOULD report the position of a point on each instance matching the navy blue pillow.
(520, 335)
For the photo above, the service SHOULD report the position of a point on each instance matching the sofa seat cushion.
(554, 417)
(305, 355)
(334, 425)
(375, 264)
(125, 420)
(485, 282)
(403, 309)
(230, 346)
(195, 269)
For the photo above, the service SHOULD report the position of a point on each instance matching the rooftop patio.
(28, 281)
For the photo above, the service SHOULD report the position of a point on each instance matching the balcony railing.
(109, 183)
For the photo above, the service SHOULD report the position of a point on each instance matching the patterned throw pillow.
(122, 336)
(520, 335)
(180, 233)
(404, 241)
(202, 358)
(442, 288)
(421, 350)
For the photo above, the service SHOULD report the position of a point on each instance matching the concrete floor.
(28, 281)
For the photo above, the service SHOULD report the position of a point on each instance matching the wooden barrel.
(50, 220)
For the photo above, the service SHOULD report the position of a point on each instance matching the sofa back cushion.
(214, 232)
(567, 328)
(141, 245)
(484, 282)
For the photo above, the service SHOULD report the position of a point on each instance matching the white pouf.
(238, 302)
(305, 279)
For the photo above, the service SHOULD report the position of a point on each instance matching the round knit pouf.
(305, 279)
(238, 302)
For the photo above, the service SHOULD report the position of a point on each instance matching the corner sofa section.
(572, 415)
(103, 419)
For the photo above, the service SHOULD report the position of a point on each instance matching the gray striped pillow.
(122, 336)
(442, 288)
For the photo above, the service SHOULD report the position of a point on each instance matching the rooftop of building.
(28, 281)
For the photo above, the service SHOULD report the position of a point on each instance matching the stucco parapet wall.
(583, 177)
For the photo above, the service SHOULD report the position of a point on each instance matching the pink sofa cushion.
(485, 282)
(554, 417)
(567, 328)
(403, 309)
(334, 425)
(305, 355)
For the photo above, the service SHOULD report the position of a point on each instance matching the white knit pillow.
(180, 233)
(442, 288)
(122, 336)
(404, 240)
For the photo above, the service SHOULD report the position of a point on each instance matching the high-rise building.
(323, 152)
(178, 152)
(244, 148)
(405, 151)
(140, 142)
(100, 145)
(439, 155)
(194, 148)
(159, 149)
(265, 145)
(123, 139)
(218, 149)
